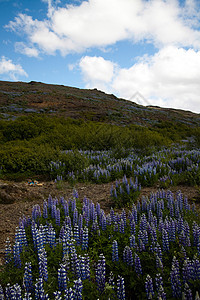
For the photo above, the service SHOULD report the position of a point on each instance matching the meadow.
(140, 249)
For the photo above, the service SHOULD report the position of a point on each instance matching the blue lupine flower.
(1, 293)
(39, 290)
(187, 293)
(28, 282)
(8, 251)
(149, 287)
(111, 281)
(120, 288)
(188, 270)
(115, 256)
(16, 254)
(42, 261)
(62, 278)
(138, 267)
(78, 286)
(175, 279)
(132, 241)
(165, 240)
(101, 273)
(58, 295)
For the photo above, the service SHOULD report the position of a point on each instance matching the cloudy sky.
(144, 50)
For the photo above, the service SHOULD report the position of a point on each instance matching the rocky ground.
(17, 199)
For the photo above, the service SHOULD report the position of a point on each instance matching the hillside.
(19, 98)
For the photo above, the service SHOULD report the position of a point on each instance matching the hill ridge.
(19, 98)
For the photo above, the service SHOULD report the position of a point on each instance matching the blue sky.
(124, 47)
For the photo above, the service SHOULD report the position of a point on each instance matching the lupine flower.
(78, 286)
(138, 267)
(111, 281)
(187, 270)
(28, 283)
(8, 251)
(165, 240)
(187, 293)
(42, 261)
(101, 273)
(120, 288)
(115, 256)
(58, 295)
(62, 278)
(27, 296)
(175, 279)
(132, 241)
(16, 254)
(39, 290)
(149, 287)
(85, 239)
(13, 292)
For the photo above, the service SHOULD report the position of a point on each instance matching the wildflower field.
(140, 249)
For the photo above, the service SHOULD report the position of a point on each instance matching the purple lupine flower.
(45, 210)
(149, 287)
(1, 293)
(172, 231)
(161, 293)
(42, 260)
(75, 265)
(27, 296)
(62, 278)
(138, 267)
(159, 264)
(39, 290)
(85, 239)
(69, 294)
(58, 295)
(159, 281)
(120, 288)
(28, 282)
(75, 216)
(115, 256)
(143, 222)
(188, 270)
(76, 234)
(16, 254)
(121, 226)
(66, 208)
(196, 268)
(80, 221)
(111, 281)
(132, 241)
(53, 211)
(134, 213)
(101, 273)
(181, 226)
(57, 216)
(78, 286)
(82, 267)
(132, 227)
(8, 251)
(36, 212)
(13, 292)
(175, 279)
(51, 236)
(187, 293)
(165, 240)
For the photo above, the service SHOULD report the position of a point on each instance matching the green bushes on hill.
(29, 143)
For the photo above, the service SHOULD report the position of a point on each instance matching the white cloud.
(7, 67)
(22, 48)
(170, 78)
(99, 23)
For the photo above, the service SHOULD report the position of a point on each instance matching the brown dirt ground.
(17, 199)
